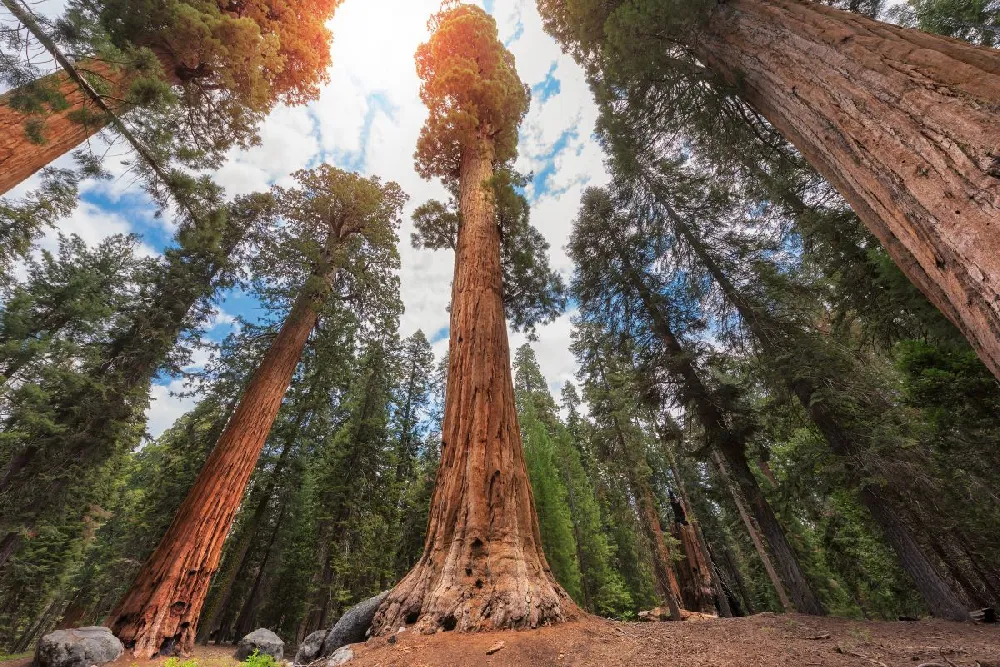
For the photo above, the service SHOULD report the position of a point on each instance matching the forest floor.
(767, 639)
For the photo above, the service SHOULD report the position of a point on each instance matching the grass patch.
(4, 657)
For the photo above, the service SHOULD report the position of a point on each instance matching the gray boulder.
(353, 625)
(262, 640)
(79, 647)
(310, 648)
(340, 656)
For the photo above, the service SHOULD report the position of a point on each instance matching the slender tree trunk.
(937, 593)
(664, 577)
(248, 615)
(737, 575)
(483, 567)
(165, 601)
(732, 447)
(935, 590)
(771, 338)
(776, 582)
(901, 122)
(40, 624)
(62, 131)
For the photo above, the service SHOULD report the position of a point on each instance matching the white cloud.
(552, 351)
(370, 114)
(93, 224)
(164, 408)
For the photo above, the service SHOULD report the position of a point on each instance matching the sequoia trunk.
(61, 131)
(901, 122)
(663, 565)
(482, 566)
(165, 600)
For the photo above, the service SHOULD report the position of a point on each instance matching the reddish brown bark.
(694, 573)
(663, 565)
(902, 123)
(731, 445)
(482, 566)
(166, 598)
(705, 571)
(20, 157)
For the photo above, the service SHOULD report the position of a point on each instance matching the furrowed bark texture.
(20, 157)
(165, 601)
(482, 566)
(693, 571)
(705, 555)
(902, 123)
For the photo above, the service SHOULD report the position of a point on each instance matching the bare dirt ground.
(766, 639)
(769, 640)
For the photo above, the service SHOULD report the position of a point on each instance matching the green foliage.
(255, 659)
(976, 21)
(533, 293)
(23, 222)
(471, 89)
(258, 661)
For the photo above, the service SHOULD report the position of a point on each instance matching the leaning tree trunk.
(902, 123)
(937, 593)
(165, 600)
(61, 130)
(758, 545)
(483, 567)
(704, 555)
(730, 445)
(663, 566)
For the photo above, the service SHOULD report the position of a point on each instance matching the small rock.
(340, 656)
(496, 647)
(392, 639)
(310, 648)
(262, 640)
(822, 635)
(78, 647)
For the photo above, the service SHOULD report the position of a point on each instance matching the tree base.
(431, 603)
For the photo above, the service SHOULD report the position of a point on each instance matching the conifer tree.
(555, 462)
(328, 216)
(60, 434)
(798, 65)
(618, 281)
(193, 77)
(483, 566)
(678, 208)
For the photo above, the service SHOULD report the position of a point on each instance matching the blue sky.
(367, 119)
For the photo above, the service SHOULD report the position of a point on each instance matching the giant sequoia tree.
(226, 64)
(483, 567)
(901, 122)
(331, 216)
